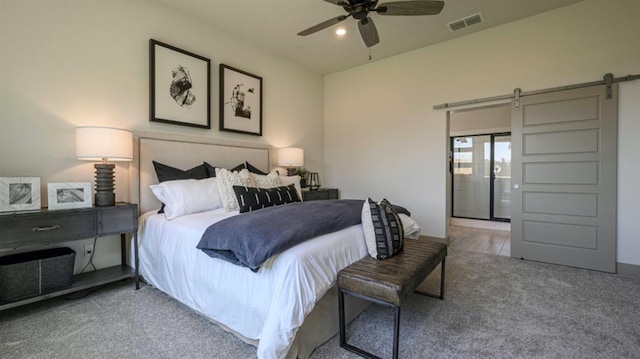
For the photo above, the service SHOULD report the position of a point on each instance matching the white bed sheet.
(268, 306)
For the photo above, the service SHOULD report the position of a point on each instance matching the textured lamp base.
(291, 171)
(104, 185)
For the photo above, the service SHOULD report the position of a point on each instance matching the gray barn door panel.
(564, 178)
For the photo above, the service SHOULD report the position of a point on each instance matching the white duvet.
(268, 306)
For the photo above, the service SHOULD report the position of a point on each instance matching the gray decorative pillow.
(168, 173)
(383, 230)
(248, 166)
(211, 170)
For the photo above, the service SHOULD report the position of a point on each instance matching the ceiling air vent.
(465, 22)
(457, 25)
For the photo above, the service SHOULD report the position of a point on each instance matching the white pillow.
(182, 197)
(287, 180)
(226, 181)
(411, 228)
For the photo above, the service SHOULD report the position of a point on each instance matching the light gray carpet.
(494, 307)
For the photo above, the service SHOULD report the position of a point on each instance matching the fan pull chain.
(369, 57)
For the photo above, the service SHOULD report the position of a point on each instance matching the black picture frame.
(179, 86)
(240, 101)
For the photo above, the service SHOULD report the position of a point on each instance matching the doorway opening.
(481, 168)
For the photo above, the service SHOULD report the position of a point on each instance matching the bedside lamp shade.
(104, 144)
(291, 157)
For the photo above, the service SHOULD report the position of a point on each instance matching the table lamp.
(314, 181)
(104, 144)
(291, 157)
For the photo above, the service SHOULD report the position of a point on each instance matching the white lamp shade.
(291, 157)
(103, 143)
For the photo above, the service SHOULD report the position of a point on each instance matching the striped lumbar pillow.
(253, 198)
(383, 231)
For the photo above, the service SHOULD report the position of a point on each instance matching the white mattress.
(268, 306)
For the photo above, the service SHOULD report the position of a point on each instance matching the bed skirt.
(322, 323)
(319, 326)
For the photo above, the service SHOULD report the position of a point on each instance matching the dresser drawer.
(46, 227)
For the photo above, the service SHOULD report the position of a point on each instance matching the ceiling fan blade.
(323, 25)
(368, 31)
(417, 7)
(338, 2)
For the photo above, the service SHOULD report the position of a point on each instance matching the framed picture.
(69, 195)
(19, 194)
(180, 83)
(240, 101)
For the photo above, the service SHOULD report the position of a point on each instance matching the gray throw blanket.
(250, 238)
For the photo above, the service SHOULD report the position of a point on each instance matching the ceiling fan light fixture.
(360, 9)
(341, 32)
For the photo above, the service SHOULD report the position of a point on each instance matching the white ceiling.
(274, 24)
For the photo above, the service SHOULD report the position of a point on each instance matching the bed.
(288, 307)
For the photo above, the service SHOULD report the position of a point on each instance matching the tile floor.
(488, 241)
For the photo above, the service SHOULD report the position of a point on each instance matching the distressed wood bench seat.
(389, 281)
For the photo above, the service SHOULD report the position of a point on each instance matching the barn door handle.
(516, 186)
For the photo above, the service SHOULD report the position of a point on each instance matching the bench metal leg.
(441, 295)
(351, 348)
(341, 313)
(396, 327)
(396, 333)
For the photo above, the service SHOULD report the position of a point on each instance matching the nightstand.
(320, 194)
(44, 227)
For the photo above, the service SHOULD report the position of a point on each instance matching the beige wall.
(71, 63)
(480, 121)
(384, 139)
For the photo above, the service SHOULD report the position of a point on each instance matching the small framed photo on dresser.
(19, 194)
(69, 195)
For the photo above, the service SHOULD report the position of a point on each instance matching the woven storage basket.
(31, 274)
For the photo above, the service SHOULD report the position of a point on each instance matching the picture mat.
(166, 107)
(83, 189)
(233, 122)
(10, 188)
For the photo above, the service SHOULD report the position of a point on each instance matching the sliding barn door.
(564, 178)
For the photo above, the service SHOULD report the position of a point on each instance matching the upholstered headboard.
(185, 153)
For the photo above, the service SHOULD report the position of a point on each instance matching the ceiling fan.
(360, 9)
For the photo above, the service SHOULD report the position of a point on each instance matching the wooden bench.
(390, 280)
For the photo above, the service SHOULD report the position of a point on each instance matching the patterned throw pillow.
(383, 230)
(253, 198)
(267, 181)
(226, 181)
(295, 180)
